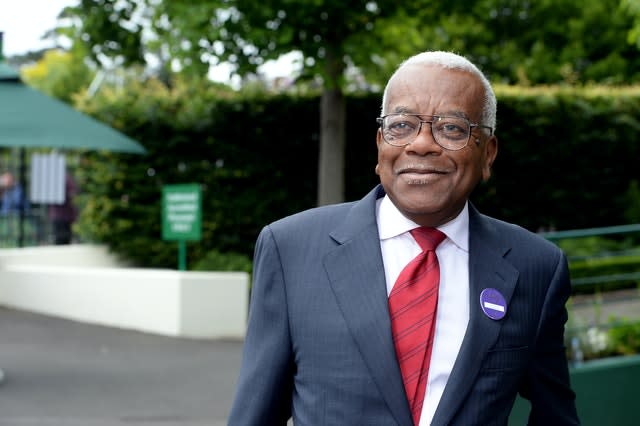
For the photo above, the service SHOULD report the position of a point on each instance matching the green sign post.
(182, 217)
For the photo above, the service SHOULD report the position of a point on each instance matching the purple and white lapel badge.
(493, 303)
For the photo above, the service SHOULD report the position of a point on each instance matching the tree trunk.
(332, 147)
(331, 161)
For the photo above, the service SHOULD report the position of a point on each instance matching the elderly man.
(409, 307)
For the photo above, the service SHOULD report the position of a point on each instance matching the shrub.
(615, 337)
(624, 337)
(216, 261)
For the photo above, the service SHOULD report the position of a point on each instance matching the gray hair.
(449, 60)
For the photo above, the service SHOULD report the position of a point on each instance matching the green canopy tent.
(31, 119)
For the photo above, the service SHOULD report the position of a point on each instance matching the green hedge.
(216, 261)
(603, 263)
(605, 273)
(567, 159)
(600, 266)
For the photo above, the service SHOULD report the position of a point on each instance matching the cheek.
(384, 168)
(475, 172)
(384, 161)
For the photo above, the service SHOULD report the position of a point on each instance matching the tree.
(528, 43)
(515, 42)
(107, 31)
(331, 36)
(59, 74)
(632, 7)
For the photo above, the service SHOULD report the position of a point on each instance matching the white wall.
(78, 255)
(83, 283)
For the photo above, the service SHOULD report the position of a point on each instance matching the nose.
(424, 143)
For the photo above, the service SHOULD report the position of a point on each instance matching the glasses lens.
(399, 129)
(451, 132)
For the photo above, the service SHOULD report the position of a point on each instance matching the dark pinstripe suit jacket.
(319, 346)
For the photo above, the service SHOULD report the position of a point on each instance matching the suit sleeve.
(547, 384)
(263, 393)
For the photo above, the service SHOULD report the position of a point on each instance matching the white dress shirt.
(398, 248)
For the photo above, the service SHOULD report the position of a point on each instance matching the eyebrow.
(460, 114)
(406, 110)
(403, 110)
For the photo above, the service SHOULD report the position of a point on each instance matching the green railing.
(590, 232)
(604, 309)
(606, 388)
(619, 276)
(35, 230)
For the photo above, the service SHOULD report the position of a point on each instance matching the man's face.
(426, 182)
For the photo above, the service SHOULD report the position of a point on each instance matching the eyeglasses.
(452, 133)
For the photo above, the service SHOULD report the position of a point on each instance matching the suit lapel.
(356, 275)
(487, 269)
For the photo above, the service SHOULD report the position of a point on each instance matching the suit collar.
(487, 269)
(356, 274)
(360, 217)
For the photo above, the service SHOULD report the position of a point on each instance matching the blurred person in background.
(13, 198)
(63, 215)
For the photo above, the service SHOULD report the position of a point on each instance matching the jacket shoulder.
(517, 236)
(311, 218)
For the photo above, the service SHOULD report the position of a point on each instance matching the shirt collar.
(391, 223)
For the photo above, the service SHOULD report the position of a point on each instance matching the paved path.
(64, 373)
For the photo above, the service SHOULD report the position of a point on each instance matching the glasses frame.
(381, 120)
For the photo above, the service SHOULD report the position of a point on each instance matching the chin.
(420, 208)
(428, 212)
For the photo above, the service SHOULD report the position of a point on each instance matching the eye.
(400, 126)
(452, 128)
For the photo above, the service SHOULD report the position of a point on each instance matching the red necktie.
(412, 307)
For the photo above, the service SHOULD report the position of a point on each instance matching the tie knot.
(427, 238)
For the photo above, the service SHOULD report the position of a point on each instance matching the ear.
(379, 141)
(489, 153)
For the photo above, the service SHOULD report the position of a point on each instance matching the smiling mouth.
(420, 175)
(423, 171)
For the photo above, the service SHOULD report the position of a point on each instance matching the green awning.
(30, 119)
(7, 73)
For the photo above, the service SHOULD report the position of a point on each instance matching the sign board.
(47, 178)
(182, 212)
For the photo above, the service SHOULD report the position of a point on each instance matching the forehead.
(432, 89)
